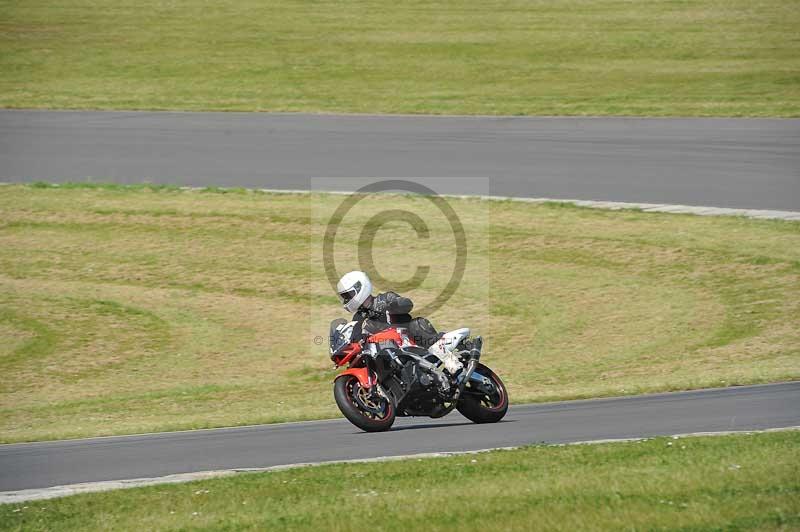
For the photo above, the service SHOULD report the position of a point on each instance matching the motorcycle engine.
(434, 378)
(426, 379)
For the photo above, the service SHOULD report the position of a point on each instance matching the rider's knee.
(423, 332)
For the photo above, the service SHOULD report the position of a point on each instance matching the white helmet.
(354, 288)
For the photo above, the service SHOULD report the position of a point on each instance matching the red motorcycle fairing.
(362, 374)
(391, 335)
(346, 354)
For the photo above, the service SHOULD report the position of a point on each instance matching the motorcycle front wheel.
(481, 407)
(357, 405)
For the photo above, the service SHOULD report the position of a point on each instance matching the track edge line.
(13, 497)
(763, 214)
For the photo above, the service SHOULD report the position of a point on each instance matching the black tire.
(344, 389)
(484, 409)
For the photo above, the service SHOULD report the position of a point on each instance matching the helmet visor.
(347, 295)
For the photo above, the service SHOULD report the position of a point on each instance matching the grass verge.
(507, 57)
(141, 309)
(743, 482)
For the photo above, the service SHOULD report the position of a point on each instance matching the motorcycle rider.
(375, 313)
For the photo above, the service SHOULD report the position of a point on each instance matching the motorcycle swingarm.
(479, 384)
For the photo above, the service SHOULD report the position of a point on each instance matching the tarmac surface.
(47, 464)
(745, 163)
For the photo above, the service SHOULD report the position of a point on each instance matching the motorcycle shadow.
(438, 425)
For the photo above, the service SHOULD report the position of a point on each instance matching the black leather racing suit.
(391, 309)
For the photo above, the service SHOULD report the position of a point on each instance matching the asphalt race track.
(46, 464)
(745, 163)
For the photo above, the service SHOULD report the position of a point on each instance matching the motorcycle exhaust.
(467, 374)
(474, 357)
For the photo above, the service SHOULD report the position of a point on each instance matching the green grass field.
(722, 483)
(509, 57)
(141, 309)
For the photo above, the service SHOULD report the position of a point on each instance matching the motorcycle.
(389, 375)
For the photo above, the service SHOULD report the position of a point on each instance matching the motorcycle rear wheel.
(484, 408)
(346, 389)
